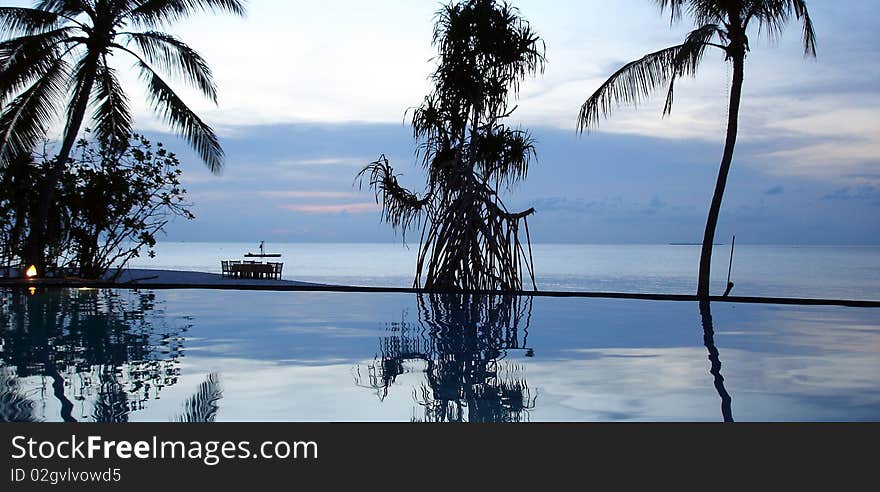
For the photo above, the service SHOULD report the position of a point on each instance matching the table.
(255, 270)
(251, 270)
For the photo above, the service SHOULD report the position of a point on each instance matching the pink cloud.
(336, 208)
(307, 194)
(245, 195)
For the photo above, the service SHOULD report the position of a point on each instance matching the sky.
(311, 92)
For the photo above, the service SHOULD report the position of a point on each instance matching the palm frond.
(688, 58)
(112, 115)
(809, 33)
(20, 21)
(27, 58)
(25, 120)
(400, 207)
(772, 15)
(171, 55)
(159, 12)
(711, 11)
(674, 7)
(67, 8)
(437, 123)
(504, 154)
(634, 82)
(202, 406)
(187, 124)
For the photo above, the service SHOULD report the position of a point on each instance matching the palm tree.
(469, 239)
(61, 49)
(721, 24)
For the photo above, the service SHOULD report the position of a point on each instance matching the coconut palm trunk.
(738, 60)
(37, 236)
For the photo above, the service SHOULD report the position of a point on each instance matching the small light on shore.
(32, 290)
(31, 272)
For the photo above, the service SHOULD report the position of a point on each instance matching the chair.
(235, 269)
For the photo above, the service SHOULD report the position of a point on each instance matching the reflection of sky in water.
(306, 357)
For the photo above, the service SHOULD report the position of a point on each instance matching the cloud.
(828, 140)
(327, 161)
(253, 195)
(597, 188)
(776, 190)
(332, 209)
(373, 62)
(609, 207)
(563, 204)
(655, 206)
(864, 192)
(308, 194)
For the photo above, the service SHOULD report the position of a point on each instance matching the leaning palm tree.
(58, 54)
(721, 24)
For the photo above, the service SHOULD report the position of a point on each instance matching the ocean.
(839, 272)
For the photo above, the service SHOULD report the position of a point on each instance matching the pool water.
(120, 355)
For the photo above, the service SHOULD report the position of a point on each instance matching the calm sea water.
(784, 271)
(99, 355)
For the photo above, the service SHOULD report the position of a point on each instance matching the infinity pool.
(119, 355)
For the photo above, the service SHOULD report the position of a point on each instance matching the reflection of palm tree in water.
(112, 404)
(462, 340)
(111, 342)
(203, 405)
(15, 406)
(715, 370)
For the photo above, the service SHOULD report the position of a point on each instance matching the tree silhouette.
(469, 240)
(721, 24)
(63, 47)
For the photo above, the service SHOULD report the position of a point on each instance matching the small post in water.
(730, 268)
